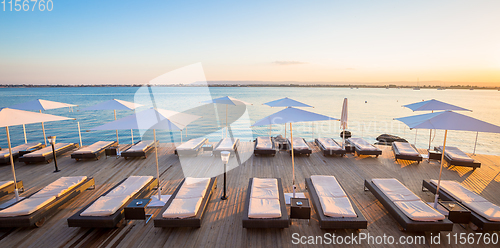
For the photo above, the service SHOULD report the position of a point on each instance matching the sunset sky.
(132, 42)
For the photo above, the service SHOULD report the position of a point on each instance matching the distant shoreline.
(466, 87)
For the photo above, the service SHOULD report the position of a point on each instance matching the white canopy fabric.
(287, 102)
(40, 104)
(227, 100)
(343, 120)
(292, 115)
(13, 117)
(447, 120)
(114, 104)
(433, 105)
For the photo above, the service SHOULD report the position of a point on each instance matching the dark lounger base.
(406, 223)
(482, 223)
(159, 221)
(38, 217)
(326, 222)
(282, 222)
(113, 220)
(398, 155)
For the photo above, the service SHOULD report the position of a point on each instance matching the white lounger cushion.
(26, 206)
(337, 206)
(24, 147)
(409, 203)
(264, 143)
(264, 199)
(141, 146)
(59, 187)
(419, 211)
(395, 190)
(362, 144)
(456, 154)
(183, 208)
(193, 188)
(299, 144)
(470, 199)
(130, 186)
(327, 186)
(405, 148)
(192, 144)
(329, 144)
(4, 184)
(47, 150)
(106, 205)
(97, 146)
(226, 144)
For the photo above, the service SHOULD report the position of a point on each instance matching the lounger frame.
(6, 160)
(160, 221)
(327, 222)
(192, 152)
(296, 151)
(38, 217)
(474, 164)
(331, 152)
(93, 155)
(236, 143)
(10, 188)
(47, 158)
(282, 222)
(406, 223)
(398, 155)
(267, 151)
(482, 223)
(359, 151)
(113, 220)
(138, 154)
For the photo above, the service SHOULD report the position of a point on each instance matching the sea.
(371, 112)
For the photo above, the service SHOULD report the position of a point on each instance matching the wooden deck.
(221, 225)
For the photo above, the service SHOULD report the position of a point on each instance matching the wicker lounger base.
(138, 154)
(398, 155)
(48, 157)
(38, 217)
(159, 221)
(113, 220)
(406, 223)
(282, 222)
(482, 223)
(93, 155)
(10, 189)
(326, 222)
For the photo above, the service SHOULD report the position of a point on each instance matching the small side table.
(208, 148)
(300, 208)
(435, 155)
(349, 148)
(136, 210)
(456, 212)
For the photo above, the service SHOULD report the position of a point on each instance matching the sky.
(132, 42)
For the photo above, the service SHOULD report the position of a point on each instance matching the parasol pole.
(43, 130)
(226, 118)
(293, 161)
(157, 169)
(117, 141)
(12, 164)
(440, 171)
(475, 144)
(132, 135)
(24, 130)
(79, 133)
(430, 136)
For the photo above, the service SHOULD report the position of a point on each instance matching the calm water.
(371, 113)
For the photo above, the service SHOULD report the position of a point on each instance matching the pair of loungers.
(34, 209)
(18, 151)
(456, 157)
(46, 155)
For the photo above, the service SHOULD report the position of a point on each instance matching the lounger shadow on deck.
(160, 221)
(327, 222)
(406, 223)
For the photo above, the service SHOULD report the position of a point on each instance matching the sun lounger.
(18, 151)
(330, 147)
(226, 144)
(457, 157)
(188, 203)
(334, 207)
(45, 154)
(107, 210)
(93, 151)
(362, 147)
(265, 146)
(408, 209)
(35, 209)
(7, 187)
(265, 204)
(192, 147)
(139, 149)
(406, 151)
(485, 215)
(300, 146)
